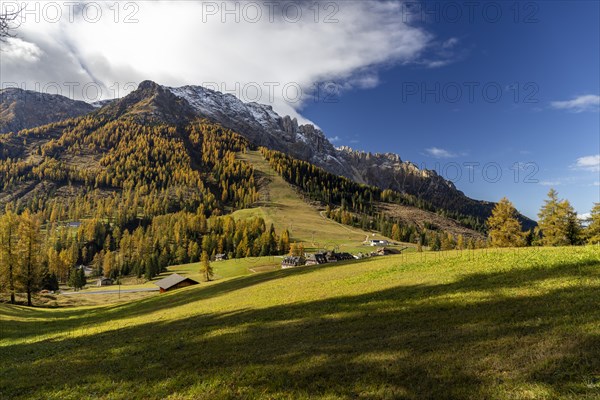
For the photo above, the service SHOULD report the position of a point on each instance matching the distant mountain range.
(259, 123)
(21, 109)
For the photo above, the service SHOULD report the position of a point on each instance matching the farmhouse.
(87, 271)
(330, 256)
(220, 257)
(173, 282)
(344, 256)
(381, 251)
(104, 282)
(376, 242)
(316, 259)
(292, 261)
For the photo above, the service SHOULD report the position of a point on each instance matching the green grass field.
(222, 270)
(285, 209)
(512, 324)
(229, 268)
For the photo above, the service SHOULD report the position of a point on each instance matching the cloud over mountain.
(279, 52)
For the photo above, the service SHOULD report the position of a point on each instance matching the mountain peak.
(148, 84)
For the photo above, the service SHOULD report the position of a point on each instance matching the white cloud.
(181, 43)
(579, 104)
(597, 183)
(438, 63)
(439, 54)
(334, 139)
(21, 51)
(588, 163)
(584, 217)
(448, 44)
(440, 153)
(550, 183)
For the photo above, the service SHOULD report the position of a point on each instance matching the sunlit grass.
(488, 324)
(282, 206)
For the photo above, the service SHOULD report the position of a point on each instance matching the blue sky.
(555, 59)
(518, 82)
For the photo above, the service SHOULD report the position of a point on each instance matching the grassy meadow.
(282, 206)
(485, 324)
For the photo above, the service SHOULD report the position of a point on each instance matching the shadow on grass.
(402, 342)
(70, 319)
(75, 318)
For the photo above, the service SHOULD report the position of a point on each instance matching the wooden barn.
(104, 282)
(173, 282)
(316, 259)
(292, 261)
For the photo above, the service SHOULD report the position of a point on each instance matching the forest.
(128, 198)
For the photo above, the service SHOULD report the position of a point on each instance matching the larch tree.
(503, 226)
(205, 267)
(592, 232)
(558, 222)
(28, 250)
(460, 242)
(108, 264)
(8, 259)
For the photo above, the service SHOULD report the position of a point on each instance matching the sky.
(502, 98)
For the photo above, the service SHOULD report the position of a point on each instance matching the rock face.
(23, 109)
(153, 103)
(263, 126)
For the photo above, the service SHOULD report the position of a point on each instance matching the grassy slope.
(221, 270)
(283, 207)
(487, 324)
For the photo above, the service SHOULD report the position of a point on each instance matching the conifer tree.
(82, 280)
(205, 267)
(8, 256)
(460, 242)
(28, 248)
(74, 279)
(593, 230)
(284, 242)
(558, 221)
(504, 227)
(108, 264)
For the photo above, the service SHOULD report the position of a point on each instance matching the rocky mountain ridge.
(23, 109)
(154, 103)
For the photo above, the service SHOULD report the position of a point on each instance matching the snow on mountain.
(264, 127)
(261, 124)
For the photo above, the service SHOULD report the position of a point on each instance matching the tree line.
(558, 225)
(126, 199)
(36, 256)
(352, 203)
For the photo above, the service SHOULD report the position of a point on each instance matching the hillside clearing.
(418, 217)
(511, 324)
(282, 206)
